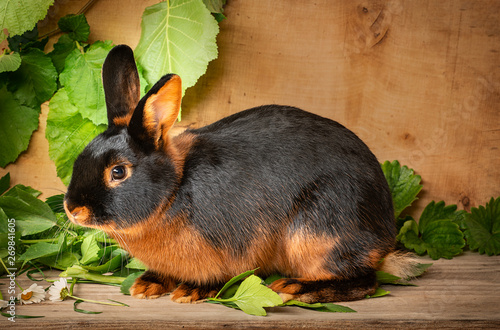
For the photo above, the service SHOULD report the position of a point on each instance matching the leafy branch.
(442, 231)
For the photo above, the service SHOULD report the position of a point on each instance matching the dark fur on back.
(293, 170)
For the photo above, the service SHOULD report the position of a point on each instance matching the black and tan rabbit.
(272, 187)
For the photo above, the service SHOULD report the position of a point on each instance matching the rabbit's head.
(130, 170)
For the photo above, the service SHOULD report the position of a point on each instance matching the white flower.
(34, 294)
(59, 290)
(3, 304)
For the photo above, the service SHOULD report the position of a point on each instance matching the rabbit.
(273, 187)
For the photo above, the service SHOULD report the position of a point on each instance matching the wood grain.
(418, 81)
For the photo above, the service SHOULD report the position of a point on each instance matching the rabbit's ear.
(157, 112)
(121, 84)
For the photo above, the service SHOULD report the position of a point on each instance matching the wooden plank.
(463, 292)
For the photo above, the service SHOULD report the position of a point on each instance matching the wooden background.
(418, 81)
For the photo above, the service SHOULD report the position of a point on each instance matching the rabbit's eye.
(118, 172)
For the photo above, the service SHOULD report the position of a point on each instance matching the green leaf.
(215, 6)
(230, 292)
(235, 279)
(39, 250)
(62, 260)
(17, 123)
(81, 273)
(409, 236)
(482, 228)
(136, 264)
(10, 62)
(77, 27)
(14, 191)
(110, 266)
(62, 48)
(177, 38)
(386, 278)
(21, 15)
(128, 282)
(68, 134)
(78, 301)
(444, 239)
(90, 250)
(420, 269)
(436, 233)
(403, 183)
(435, 212)
(29, 39)
(219, 17)
(31, 214)
(252, 296)
(379, 293)
(321, 307)
(4, 183)
(36, 79)
(81, 78)
(401, 221)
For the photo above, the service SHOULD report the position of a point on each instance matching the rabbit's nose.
(76, 215)
(76, 212)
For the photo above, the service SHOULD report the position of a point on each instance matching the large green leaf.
(178, 36)
(68, 133)
(81, 78)
(31, 214)
(403, 183)
(17, 123)
(251, 297)
(482, 228)
(18, 16)
(436, 233)
(36, 79)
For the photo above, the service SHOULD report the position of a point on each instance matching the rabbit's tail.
(401, 264)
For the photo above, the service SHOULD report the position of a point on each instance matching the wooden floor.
(459, 293)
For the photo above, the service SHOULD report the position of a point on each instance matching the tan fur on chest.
(173, 249)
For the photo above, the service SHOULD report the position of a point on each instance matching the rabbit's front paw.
(186, 293)
(151, 286)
